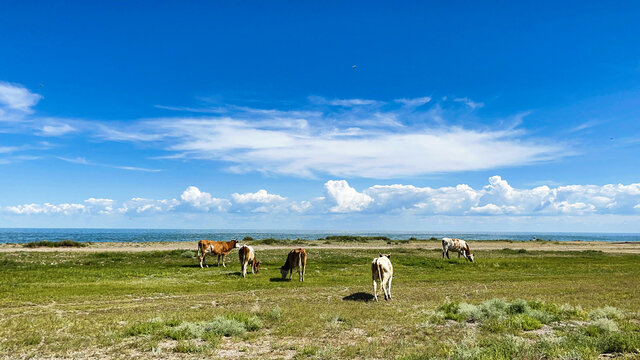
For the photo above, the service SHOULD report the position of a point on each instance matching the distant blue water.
(144, 235)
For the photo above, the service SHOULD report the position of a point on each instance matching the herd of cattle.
(381, 267)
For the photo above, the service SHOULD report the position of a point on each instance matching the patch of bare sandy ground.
(607, 247)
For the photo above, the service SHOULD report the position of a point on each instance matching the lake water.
(143, 235)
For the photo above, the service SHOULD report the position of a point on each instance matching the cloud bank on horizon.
(496, 198)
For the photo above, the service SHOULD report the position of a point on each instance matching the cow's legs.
(304, 268)
(448, 254)
(224, 257)
(290, 273)
(203, 260)
(383, 285)
(218, 264)
(458, 255)
(389, 286)
(375, 289)
(243, 266)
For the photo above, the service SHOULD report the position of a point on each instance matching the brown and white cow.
(248, 257)
(460, 246)
(296, 258)
(381, 269)
(220, 248)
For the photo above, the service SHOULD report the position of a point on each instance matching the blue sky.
(457, 115)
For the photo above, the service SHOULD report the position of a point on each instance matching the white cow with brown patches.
(248, 257)
(460, 246)
(381, 269)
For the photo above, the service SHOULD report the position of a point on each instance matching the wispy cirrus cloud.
(83, 161)
(17, 97)
(336, 137)
(363, 152)
(414, 102)
(470, 103)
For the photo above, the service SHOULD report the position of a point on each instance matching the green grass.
(508, 304)
(61, 243)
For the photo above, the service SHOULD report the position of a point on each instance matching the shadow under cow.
(359, 296)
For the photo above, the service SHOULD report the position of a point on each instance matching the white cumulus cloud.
(203, 200)
(345, 198)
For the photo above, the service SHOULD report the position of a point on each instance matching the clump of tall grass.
(354, 238)
(211, 331)
(498, 315)
(607, 312)
(62, 243)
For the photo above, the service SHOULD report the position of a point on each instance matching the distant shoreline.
(25, 235)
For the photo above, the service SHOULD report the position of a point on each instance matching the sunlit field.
(510, 303)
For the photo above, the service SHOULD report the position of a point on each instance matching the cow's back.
(296, 256)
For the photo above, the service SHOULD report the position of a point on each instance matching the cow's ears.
(388, 256)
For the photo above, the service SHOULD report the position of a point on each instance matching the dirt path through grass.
(607, 247)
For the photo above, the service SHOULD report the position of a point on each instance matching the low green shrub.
(62, 243)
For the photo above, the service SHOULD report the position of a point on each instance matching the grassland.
(511, 303)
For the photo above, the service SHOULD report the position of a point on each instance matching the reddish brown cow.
(296, 258)
(220, 248)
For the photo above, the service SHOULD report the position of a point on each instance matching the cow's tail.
(199, 250)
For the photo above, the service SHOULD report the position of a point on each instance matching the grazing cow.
(248, 256)
(458, 245)
(381, 269)
(220, 248)
(296, 258)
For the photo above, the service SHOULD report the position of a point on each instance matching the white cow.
(381, 269)
(248, 257)
(460, 246)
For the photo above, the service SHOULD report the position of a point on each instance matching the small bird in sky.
(41, 85)
(354, 67)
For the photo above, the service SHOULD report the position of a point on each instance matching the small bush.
(226, 327)
(188, 254)
(527, 323)
(601, 326)
(251, 322)
(63, 243)
(354, 238)
(518, 307)
(274, 314)
(189, 347)
(618, 342)
(247, 238)
(607, 312)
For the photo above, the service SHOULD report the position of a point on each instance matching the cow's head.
(256, 266)
(388, 256)
(469, 254)
(284, 271)
(236, 243)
